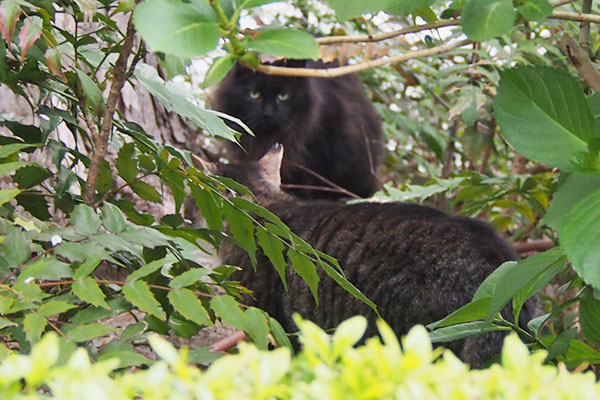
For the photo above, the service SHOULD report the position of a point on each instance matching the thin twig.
(101, 141)
(584, 39)
(571, 16)
(562, 3)
(350, 69)
(387, 35)
(333, 187)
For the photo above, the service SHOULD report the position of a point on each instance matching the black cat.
(326, 125)
(416, 263)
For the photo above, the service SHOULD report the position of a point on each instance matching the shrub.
(328, 367)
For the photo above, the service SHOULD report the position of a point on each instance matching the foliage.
(452, 121)
(327, 367)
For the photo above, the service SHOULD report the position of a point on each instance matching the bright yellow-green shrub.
(328, 367)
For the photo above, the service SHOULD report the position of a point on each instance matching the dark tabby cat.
(325, 125)
(416, 263)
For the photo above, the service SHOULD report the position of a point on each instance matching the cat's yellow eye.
(283, 96)
(255, 94)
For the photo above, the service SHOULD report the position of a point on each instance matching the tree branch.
(586, 8)
(571, 16)
(387, 35)
(350, 69)
(534, 245)
(101, 140)
(581, 61)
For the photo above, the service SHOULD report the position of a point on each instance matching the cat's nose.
(268, 109)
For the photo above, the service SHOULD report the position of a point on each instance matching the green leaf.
(189, 277)
(580, 353)
(349, 9)
(31, 175)
(54, 307)
(46, 268)
(304, 267)
(208, 206)
(34, 325)
(203, 356)
(589, 317)
(486, 19)
(182, 29)
(219, 68)
(8, 194)
(126, 163)
(149, 268)
(473, 311)
(132, 331)
(85, 219)
(242, 228)
(174, 100)
(140, 296)
(579, 235)
(561, 344)
(229, 311)
(127, 358)
(83, 333)
(288, 43)
(575, 188)
(10, 149)
(146, 191)
(16, 247)
(6, 168)
(405, 7)
(279, 334)
(461, 331)
(520, 276)
(87, 289)
(544, 115)
(273, 249)
(6, 322)
(258, 327)
(35, 203)
(30, 32)
(535, 10)
(93, 94)
(185, 302)
(112, 218)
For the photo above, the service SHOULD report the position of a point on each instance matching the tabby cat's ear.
(271, 163)
(206, 166)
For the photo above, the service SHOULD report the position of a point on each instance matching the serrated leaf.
(9, 16)
(258, 327)
(182, 29)
(149, 268)
(242, 228)
(561, 344)
(132, 331)
(34, 325)
(579, 235)
(85, 219)
(5, 304)
(179, 103)
(93, 94)
(189, 277)
(16, 247)
(85, 252)
(535, 10)
(146, 191)
(219, 68)
(126, 163)
(283, 42)
(31, 30)
(486, 19)
(185, 302)
(54, 307)
(88, 290)
(543, 113)
(461, 331)
(46, 268)
(226, 308)
(589, 317)
(211, 211)
(307, 270)
(273, 249)
(140, 296)
(83, 333)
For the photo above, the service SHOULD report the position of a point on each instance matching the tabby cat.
(326, 126)
(415, 262)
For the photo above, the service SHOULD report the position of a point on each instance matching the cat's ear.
(206, 166)
(271, 163)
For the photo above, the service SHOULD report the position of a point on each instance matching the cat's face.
(265, 103)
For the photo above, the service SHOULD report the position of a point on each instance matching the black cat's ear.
(271, 163)
(206, 166)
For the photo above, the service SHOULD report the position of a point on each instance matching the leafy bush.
(328, 367)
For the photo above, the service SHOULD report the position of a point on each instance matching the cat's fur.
(325, 125)
(416, 263)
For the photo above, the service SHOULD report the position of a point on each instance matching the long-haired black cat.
(416, 263)
(326, 126)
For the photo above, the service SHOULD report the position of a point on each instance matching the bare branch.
(586, 8)
(534, 245)
(350, 69)
(387, 35)
(101, 140)
(571, 16)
